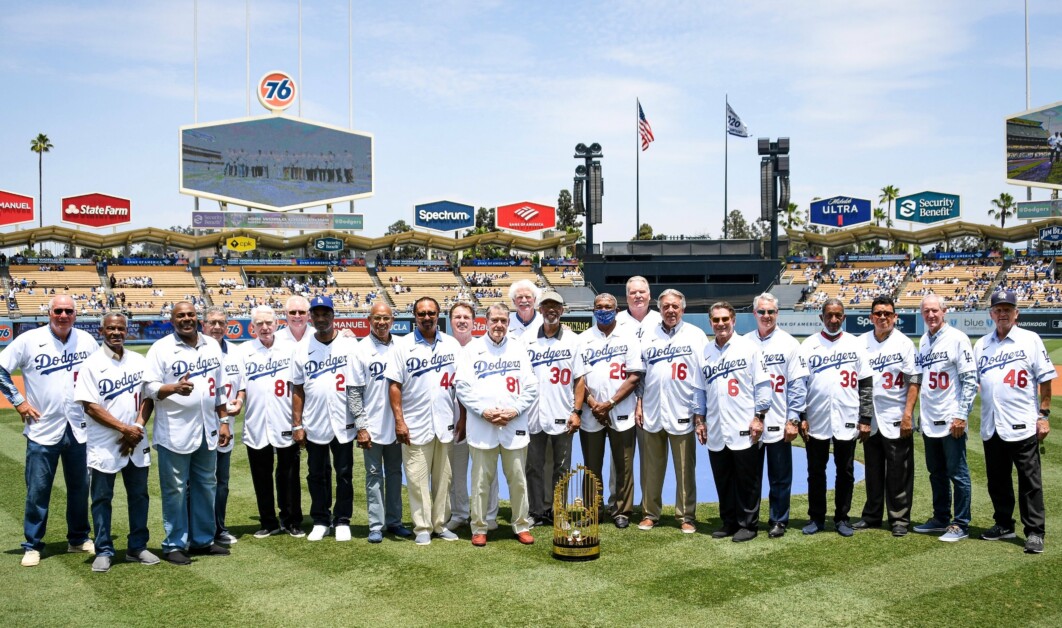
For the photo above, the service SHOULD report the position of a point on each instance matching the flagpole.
(637, 170)
(726, 162)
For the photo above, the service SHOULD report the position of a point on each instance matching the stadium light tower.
(588, 180)
(774, 183)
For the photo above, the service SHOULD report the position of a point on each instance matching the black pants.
(535, 469)
(1001, 458)
(890, 479)
(319, 481)
(738, 477)
(844, 460)
(288, 485)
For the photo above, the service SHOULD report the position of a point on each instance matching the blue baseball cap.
(322, 301)
(1004, 296)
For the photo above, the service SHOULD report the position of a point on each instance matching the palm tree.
(889, 193)
(879, 215)
(1004, 208)
(40, 145)
(791, 216)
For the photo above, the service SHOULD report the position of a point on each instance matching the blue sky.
(483, 101)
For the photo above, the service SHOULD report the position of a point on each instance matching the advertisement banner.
(840, 211)
(526, 217)
(490, 262)
(96, 210)
(15, 209)
(927, 207)
(348, 222)
(241, 243)
(444, 216)
(269, 220)
(1051, 234)
(147, 261)
(328, 245)
(1031, 210)
(868, 257)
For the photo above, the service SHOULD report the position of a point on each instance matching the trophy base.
(576, 554)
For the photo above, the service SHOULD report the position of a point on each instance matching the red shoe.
(479, 540)
(525, 538)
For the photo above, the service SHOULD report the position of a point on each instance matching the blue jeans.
(383, 485)
(780, 478)
(221, 497)
(136, 489)
(42, 461)
(946, 462)
(188, 483)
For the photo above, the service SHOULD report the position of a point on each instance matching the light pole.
(774, 183)
(588, 182)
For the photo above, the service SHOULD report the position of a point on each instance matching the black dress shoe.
(744, 534)
(724, 532)
(862, 524)
(177, 557)
(621, 522)
(899, 530)
(210, 550)
(777, 531)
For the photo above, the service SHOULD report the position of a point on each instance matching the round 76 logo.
(276, 91)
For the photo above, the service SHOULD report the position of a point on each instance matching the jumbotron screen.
(1034, 147)
(275, 162)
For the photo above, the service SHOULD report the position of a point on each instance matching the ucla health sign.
(840, 211)
(444, 216)
(927, 207)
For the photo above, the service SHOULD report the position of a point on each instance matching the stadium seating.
(79, 282)
(405, 284)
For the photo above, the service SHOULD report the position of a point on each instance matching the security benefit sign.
(444, 216)
(1051, 234)
(328, 245)
(840, 211)
(96, 210)
(927, 207)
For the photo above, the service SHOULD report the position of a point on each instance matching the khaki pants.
(428, 484)
(484, 470)
(654, 466)
(621, 446)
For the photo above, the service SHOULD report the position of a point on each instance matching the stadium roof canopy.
(152, 235)
(929, 235)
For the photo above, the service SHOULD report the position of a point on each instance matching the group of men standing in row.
(429, 401)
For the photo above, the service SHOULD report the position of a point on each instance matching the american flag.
(644, 130)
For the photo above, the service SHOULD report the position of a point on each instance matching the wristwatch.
(762, 416)
(224, 421)
(1044, 413)
(295, 428)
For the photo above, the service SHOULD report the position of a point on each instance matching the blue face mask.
(605, 317)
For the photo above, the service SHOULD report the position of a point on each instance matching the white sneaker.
(423, 538)
(31, 558)
(226, 538)
(447, 535)
(342, 533)
(88, 547)
(455, 523)
(318, 533)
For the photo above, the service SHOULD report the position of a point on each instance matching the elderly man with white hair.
(297, 310)
(524, 318)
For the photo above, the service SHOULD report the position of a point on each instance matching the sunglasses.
(63, 311)
(296, 312)
(720, 319)
(883, 314)
(766, 312)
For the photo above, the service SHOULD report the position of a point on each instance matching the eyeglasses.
(427, 314)
(297, 312)
(63, 311)
(720, 319)
(883, 314)
(766, 312)
(215, 323)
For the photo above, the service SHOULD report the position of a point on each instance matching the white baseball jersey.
(493, 375)
(941, 359)
(426, 374)
(652, 319)
(49, 369)
(285, 334)
(893, 363)
(181, 422)
(784, 364)
(1009, 371)
(370, 364)
(834, 370)
(553, 360)
(735, 383)
(517, 328)
(605, 362)
(117, 386)
(673, 388)
(324, 372)
(233, 385)
(264, 374)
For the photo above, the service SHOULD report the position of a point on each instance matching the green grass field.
(642, 578)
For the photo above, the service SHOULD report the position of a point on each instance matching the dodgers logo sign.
(840, 211)
(444, 216)
(927, 207)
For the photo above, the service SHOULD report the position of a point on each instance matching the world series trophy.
(576, 509)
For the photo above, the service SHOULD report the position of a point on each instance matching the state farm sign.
(15, 208)
(526, 217)
(96, 210)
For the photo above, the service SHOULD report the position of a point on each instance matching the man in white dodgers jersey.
(110, 389)
(949, 385)
(215, 324)
(524, 318)
(369, 405)
(273, 455)
(888, 450)
(185, 376)
(50, 358)
(320, 374)
(737, 394)
(554, 416)
(672, 352)
(421, 376)
(610, 361)
(840, 398)
(640, 317)
(788, 372)
(496, 385)
(1015, 373)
